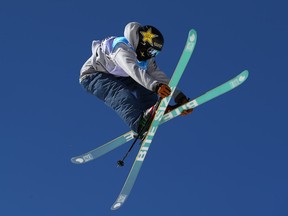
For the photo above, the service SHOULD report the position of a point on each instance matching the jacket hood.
(130, 33)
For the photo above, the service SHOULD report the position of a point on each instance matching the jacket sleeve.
(161, 77)
(126, 59)
(156, 73)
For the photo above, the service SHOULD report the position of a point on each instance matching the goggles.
(152, 52)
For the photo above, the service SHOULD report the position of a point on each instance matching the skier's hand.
(163, 90)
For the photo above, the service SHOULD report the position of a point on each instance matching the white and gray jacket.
(120, 59)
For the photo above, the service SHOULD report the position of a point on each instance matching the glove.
(163, 90)
(180, 100)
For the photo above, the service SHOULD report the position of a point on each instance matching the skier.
(122, 72)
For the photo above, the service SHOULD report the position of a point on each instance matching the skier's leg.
(147, 100)
(146, 97)
(117, 95)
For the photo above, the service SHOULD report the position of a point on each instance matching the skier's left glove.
(163, 90)
(180, 100)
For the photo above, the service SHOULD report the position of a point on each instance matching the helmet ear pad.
(150, 42)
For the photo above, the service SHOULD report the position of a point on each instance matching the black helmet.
(150, 42)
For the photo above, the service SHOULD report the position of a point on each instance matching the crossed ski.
(126, 137)
(160, 117)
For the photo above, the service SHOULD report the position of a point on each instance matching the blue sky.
(227, 158)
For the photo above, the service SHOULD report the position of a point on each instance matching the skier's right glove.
(163, 90)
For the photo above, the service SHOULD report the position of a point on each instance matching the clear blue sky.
(227, 158)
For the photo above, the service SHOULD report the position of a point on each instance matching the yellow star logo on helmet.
(148, 36)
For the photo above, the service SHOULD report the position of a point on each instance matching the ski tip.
(116, 206)
(77, 160)
(246, 72)
(82, 158)
(119, 202)
(191, 41)
(243, 76)
(192, 31)
(192, 35)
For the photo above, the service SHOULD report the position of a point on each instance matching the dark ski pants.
(124, 95)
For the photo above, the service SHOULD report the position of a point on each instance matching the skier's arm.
(179, 97)
(127, 60)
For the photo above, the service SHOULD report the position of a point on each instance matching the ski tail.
(107, 147)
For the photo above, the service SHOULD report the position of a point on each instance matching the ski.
(126, 137)
(183, 61)
(103, 149)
